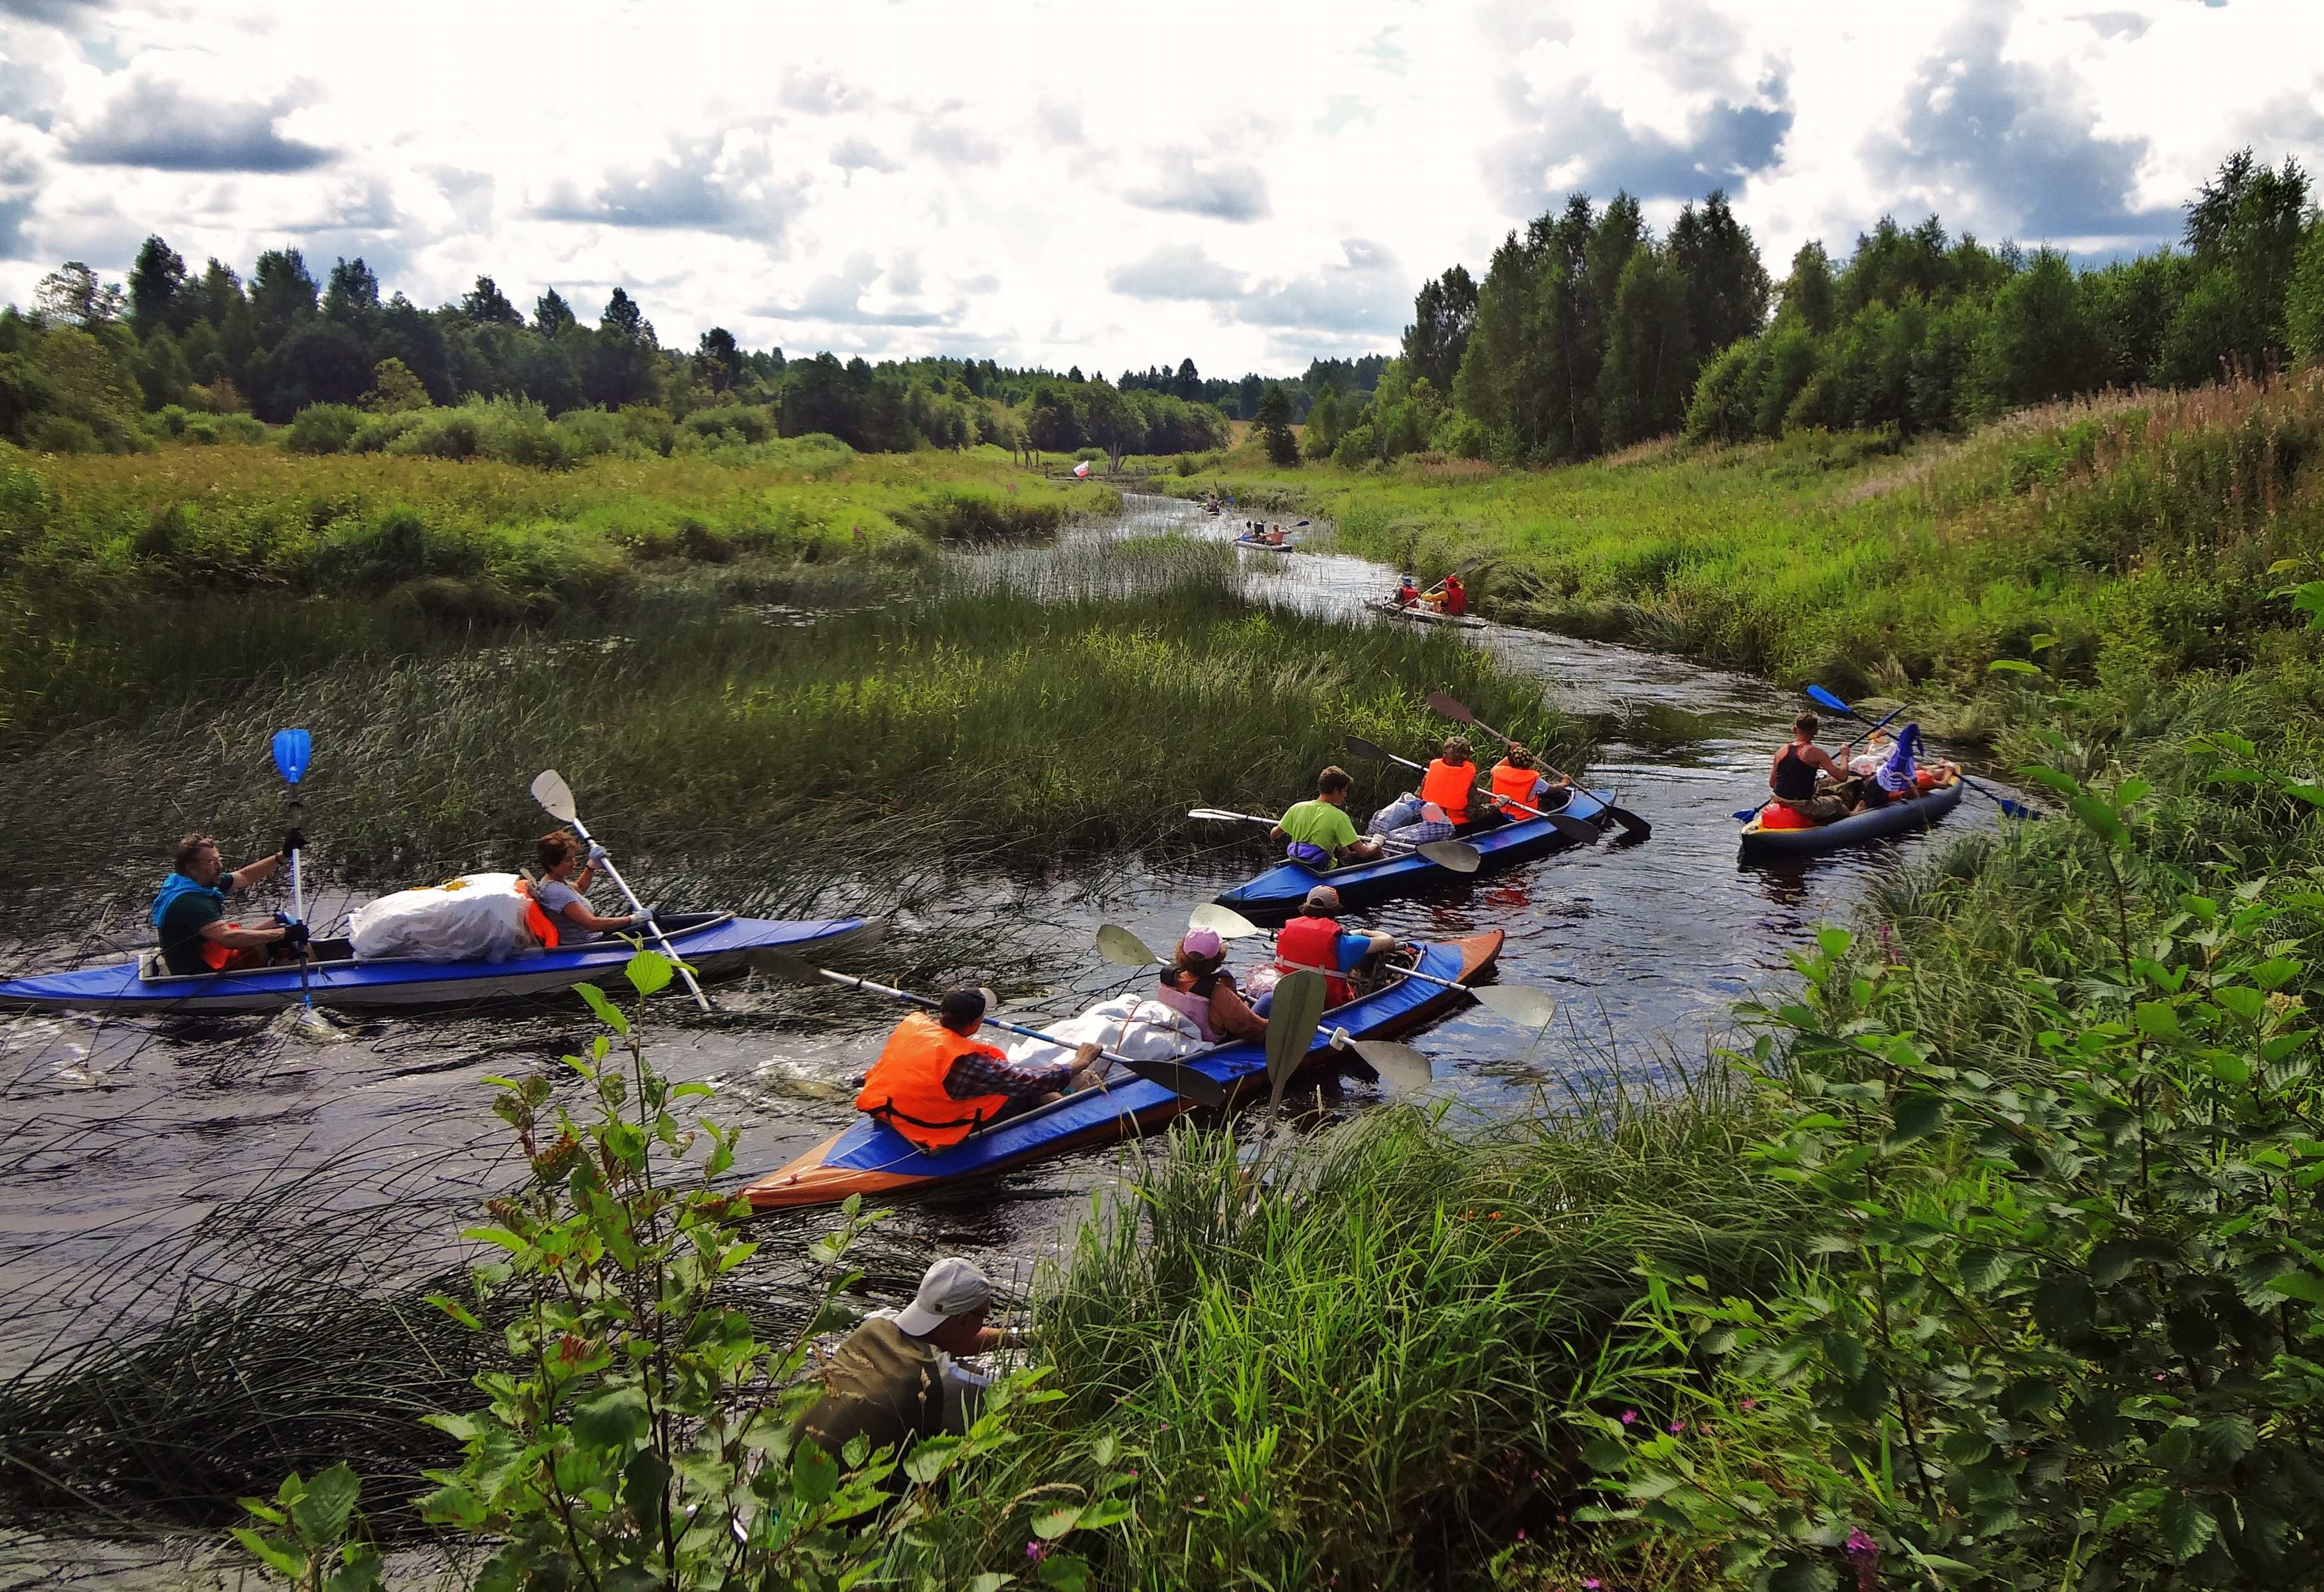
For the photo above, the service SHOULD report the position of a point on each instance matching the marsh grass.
(764, 763)
(1345, 1358)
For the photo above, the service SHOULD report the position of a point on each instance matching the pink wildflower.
(1629, 1418)
(1035, 1550)
(1860, 1541)
(1750, 1404)
(1677, 1426)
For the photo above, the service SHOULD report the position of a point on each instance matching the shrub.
(241, 428)
(59, 433)
(1357, 449)
(324, 428)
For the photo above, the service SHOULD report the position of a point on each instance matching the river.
(139, 1157)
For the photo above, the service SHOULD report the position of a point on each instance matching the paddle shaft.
(2014, 808)
(1503, 800)
(1410, 972)
(298, 899)
(638, 907)
(910, 999)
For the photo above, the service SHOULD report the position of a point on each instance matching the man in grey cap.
(1315, 940)
(896, 1378)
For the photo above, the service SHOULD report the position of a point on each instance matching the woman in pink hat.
(1197, 985)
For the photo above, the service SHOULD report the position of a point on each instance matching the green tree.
(394, 389)
(71, 294)
(1726, 286)
(351, 297)
(2304, 298)
(2038, 344)
(1809, 299)
(1650, 361)
(717, 361)
(157, 289)
(2130, 303)
(552, 316)
(161, 369)
(1273, 426)
(282, 294)
(1324, 427)
(1443, 313)
(486, 305)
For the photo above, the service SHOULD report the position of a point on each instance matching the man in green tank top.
(896, 1379)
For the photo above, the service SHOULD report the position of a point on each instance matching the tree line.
(92, 364)
(1589, 333)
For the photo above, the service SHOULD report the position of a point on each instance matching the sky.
(1250, 184)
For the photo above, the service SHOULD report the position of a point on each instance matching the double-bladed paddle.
(1574, 829)
(1392, 1062)
(2016, 810)
(1186, 1082)
(549, 789)
(1632, 824)
(294, 750)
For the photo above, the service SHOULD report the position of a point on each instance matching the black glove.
(295, 936)
(294, 842)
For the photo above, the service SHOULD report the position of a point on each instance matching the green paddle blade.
(1527, 1008)
(1123, 948)
(1291, 1029)
(784, 967)
(1223, 922)
(1456, 854)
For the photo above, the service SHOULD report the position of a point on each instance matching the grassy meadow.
(2150, 533)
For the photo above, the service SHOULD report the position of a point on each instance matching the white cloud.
(1048, 182)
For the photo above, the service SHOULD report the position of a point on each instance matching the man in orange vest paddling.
(1315, 940)
(1446, 784)
(935, 1084)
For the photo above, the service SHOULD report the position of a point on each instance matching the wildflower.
(1677, 1426)
(1859, 1540)
(1629, 1418)
(1590, 1584)
(1035, 1550)
(1750, 1404)
(1520, 1534)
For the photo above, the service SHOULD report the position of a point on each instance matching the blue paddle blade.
(1827, 699)
(292, 748)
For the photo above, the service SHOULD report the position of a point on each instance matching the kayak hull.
(1425, 616)
(1262, 546)
(1902, 818)
(1276, 893)
(872, 1159)
(719, 945)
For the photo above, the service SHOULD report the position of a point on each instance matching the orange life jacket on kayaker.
(1512, 783)
(1313, 943)
(537, 923)
(1448, 786)
(906, 1085)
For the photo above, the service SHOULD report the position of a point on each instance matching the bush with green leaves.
(2058, 1328)
(641, 1435)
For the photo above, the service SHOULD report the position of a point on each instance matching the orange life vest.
(1512, 783)
(1313, 943)
(906, 1084)
(215, 955)
(1448, 786)
(538, 923)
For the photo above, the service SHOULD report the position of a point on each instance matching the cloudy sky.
(1249, 182)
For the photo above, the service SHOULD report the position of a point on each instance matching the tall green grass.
(735, 752)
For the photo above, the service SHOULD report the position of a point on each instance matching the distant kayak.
(869, 1157)
(1257, 546)
(1898, 818)
(710, 942)
(1425, 616)
(1276, 894)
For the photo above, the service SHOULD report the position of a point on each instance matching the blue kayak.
(872, 1159)
(710, 942)
(1277, 892)
(1898, 818)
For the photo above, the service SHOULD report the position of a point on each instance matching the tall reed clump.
(765, 762)
(1350, 1364)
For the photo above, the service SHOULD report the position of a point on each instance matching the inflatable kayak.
(1425, 615)
(710, 942)
(871, 1158)
(1276, 894)
(1898, 818)
(1256, 546)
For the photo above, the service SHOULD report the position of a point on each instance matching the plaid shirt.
(972, 1075)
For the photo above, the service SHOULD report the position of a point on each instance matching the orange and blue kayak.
(872, 1159)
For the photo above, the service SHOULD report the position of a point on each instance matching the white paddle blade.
(1124, 949)
(1456, 854)
(1223, 816)
(307, 1025)
(1527, 1008)
(549, 789)
(1223, 922)
(1399, 1066)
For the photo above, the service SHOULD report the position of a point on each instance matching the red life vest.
(1313, 943)
(906, 1084)
(537, 923)
(1456, 595)
(1512, 783)
(1448, 786)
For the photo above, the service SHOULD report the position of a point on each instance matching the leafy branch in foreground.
(2056, 1331)
(642, 1435)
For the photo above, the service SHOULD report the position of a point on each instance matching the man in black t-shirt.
(188, 914)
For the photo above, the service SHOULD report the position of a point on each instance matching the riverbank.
(2132, 536)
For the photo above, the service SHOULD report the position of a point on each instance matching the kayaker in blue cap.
(188, 912)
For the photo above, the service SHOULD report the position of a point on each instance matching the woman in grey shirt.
(563, 892)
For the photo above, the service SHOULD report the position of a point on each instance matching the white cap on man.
(953, 1287)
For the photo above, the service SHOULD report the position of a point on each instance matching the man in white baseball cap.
(896, 1379)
